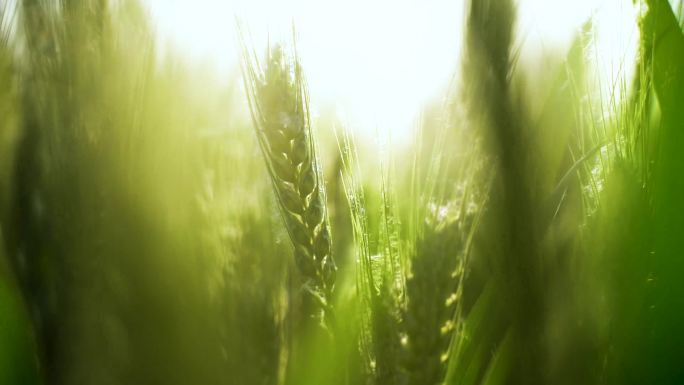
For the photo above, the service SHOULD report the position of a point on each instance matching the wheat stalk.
(279, 105)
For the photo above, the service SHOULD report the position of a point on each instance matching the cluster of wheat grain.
(280, 110)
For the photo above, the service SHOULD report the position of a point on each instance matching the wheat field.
(159, 226)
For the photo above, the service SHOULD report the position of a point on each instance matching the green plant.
(532, 234)
(280, 111)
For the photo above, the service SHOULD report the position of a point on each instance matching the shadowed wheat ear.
(279, 105)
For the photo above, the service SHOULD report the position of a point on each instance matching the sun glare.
(377, 63)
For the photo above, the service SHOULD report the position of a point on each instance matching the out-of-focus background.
(402, 54)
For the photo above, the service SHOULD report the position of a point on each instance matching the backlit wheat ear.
(279, 105)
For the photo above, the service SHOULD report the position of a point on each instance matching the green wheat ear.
(279, 105)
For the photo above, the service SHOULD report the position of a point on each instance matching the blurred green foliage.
(532, 234)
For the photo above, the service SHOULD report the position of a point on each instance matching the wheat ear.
(279, 105)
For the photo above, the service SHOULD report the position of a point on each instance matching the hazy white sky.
(377, 61)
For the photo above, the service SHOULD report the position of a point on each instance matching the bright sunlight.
(392, 50)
